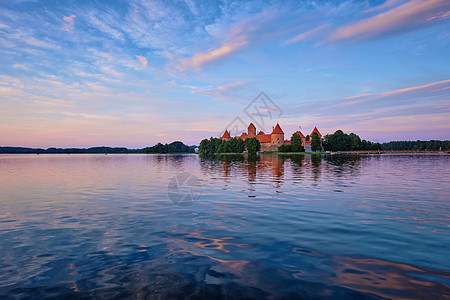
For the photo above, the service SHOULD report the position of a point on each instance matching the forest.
(174, 147)
(340, 141)
(234, 145)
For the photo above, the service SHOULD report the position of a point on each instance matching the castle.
(271, 142)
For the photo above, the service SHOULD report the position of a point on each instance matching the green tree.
(233, 145)
(355, 142)
(209, 147)
(203, 147)
(177, 147)
(339, 141)
(217, 145)
(415, 145)
(315, 142)
(285, 148)
(227, 147)
(215, 142)
(252, 145)
(159, 148)
(220, 149)
(240, 146)
(296, 143)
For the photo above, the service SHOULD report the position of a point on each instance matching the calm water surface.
(364, 227)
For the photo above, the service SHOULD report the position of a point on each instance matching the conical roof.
(226, 135)
(277, 129)
(315, 130)
(300, 133)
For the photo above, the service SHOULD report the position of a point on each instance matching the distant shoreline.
(359, 153)
(393, 152)
(99, 153)
(437, 152)
(176, 147)
(123, 150)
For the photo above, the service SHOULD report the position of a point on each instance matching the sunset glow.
(134, 73)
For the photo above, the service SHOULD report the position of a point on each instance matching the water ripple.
(274, 227)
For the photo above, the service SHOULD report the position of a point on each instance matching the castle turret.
(277, 135)
(317, 131)
(226, 136)
(302, 137)
(251, 130)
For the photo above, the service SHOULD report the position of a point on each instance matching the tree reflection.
(345, 166)
(252, 165)
(272, 168)
(298, 166)
(316, 162)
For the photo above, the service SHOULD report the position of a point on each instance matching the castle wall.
(251, 131)
(277, 139)
(269, 147)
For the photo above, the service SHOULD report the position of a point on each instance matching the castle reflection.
(277, 169)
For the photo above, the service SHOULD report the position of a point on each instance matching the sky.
(133, 73)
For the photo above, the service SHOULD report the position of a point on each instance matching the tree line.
(340, 141)
(175, 147)
(234, 145)
(295, 146)
(416, 145)
(52, 150)
(296, 143)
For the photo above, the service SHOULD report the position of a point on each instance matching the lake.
(182, 226)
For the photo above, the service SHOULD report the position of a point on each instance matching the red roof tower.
(226, 135)
(277, 130)
(316, 130)
(251, 130)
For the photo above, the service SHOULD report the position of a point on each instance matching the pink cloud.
(219, 91)
(242, 34)
(306, 35)
(440, 16)
(427, 88)
(420, 87)
(143, 61)
(69, 23)
(200, 59)
(405, 16)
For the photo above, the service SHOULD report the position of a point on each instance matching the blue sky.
(133, 73)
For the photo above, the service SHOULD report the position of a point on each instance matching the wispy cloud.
(154, 24)
(385, 5)
(200, 59)
(221, 91)
(306, 35)
(106, 23)
(244, 33)
(20, 66)
(400, 18)
(143, 61)
(427, 89)
(69, 23)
